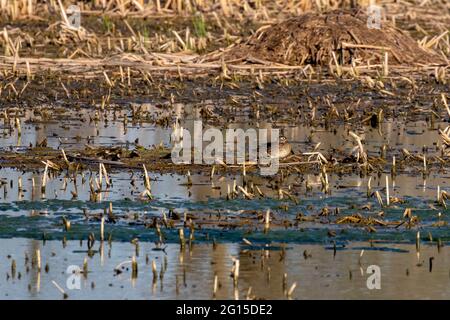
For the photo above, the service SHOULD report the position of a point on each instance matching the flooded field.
(322, 241)
(94, 205)
(266, 272)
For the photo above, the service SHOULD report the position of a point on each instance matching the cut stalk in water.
(424, 164)
(369, 187)
(102, 229)
(380, 200)
(108, 182)
(267, 220)
(38, 259)
(181, 237)
(216, 285)
(85, 267)
(394, 168)
(235, 271)
(154, 271)
(189, 179)
(418, 241)
(44, 180)
(134, 268)
(387, 191)
(147, 180)
(291, 290)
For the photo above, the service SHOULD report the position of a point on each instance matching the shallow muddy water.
(28, 213)
(70, 129)
(190, 274)
(307, 222)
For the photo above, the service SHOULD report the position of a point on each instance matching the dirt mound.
(312, 37)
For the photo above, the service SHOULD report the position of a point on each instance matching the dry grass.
(18, 9)
(131, 34)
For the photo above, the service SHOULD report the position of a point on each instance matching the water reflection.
(174, 186)
(77, 128)
(319, 276)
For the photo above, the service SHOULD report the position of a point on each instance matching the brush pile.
(311, 38)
